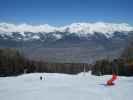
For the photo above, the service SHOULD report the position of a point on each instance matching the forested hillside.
(12, 62)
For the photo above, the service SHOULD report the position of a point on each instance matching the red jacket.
(114, 77)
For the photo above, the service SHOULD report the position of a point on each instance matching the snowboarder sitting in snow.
(114, 73)
(110, 82)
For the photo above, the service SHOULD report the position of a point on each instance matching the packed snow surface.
(64, 87)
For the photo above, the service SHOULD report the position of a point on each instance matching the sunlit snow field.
(64, 87)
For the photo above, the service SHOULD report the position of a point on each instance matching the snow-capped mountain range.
(77, 42)
(28, 32)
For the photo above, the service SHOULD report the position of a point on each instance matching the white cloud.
(79, 28)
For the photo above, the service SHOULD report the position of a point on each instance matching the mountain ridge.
(79, 29)
(70, 45)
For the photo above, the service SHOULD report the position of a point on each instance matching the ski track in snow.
(64, 87)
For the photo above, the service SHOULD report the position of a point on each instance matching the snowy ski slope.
(64, 87)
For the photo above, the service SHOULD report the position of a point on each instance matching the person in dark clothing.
(40, 77)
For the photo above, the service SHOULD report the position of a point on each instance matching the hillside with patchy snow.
(64, 87)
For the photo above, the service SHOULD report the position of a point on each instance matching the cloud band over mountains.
(79, 28)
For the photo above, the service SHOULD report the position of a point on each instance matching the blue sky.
(62, 12)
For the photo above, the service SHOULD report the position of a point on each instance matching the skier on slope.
(110, 82)
(114, 74)
(40, 77)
